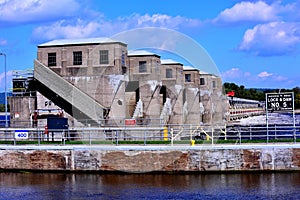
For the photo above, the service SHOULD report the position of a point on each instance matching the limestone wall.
(143, 159)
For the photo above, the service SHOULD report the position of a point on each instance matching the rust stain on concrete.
(251, 159)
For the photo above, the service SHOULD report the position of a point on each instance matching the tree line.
(259, 93)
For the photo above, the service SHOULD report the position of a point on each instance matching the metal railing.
(167, 135)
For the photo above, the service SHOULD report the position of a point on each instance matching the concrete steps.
(67, 96)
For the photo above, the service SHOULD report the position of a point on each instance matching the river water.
(40, 186)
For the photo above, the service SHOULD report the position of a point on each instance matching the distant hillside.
(259, 93)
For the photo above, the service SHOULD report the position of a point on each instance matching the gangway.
(67, 96)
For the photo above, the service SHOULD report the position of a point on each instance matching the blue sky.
(253, 43)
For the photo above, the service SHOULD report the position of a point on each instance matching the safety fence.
(167, 135)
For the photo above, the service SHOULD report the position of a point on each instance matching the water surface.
(244, 186)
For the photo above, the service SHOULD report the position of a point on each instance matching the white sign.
(21, 134)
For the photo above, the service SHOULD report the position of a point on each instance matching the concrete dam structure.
(97, 81)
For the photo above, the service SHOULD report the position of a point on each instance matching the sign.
(130, 122)
(280, 101)
(231, 94)
(17, 115)
(21, 134)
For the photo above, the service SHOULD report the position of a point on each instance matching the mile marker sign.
(280, 101)
(21, 134)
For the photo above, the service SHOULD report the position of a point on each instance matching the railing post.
(145, 137)
(39, 136)
(117, 139)
(267, 135)
(240, 135)
(275, 132)
(294, 134)
(172, 136)
(90, 139)
(250, 132)
(212, 135)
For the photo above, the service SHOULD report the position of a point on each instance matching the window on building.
(214, 84)
(51, 59)
(124, 70)
(123, 58)
(202, 81)
(142, 67)
(169, 73)
(188, 77)
(104, 57)
(77, 58)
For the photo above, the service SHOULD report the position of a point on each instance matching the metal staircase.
(67, 96)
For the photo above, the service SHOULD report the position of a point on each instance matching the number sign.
(21, 134)
(280, 101)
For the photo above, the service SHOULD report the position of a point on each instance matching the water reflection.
(149, 186)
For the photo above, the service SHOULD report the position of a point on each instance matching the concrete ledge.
(142, 159)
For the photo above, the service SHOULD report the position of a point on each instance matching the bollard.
(192, 142)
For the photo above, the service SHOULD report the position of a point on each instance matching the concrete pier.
(144, 159)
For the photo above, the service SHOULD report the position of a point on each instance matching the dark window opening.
(77, 58)
(124, 70)
(188, 77)
(202, 81)
(142, 67)
(51, 59)
(163, 91)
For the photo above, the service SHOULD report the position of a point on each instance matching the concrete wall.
(152, 159)
(21, 110)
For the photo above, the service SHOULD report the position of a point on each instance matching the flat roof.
(79, 41)
(170, 62)
(190, 68)
(141, 53)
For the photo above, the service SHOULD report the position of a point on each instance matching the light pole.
(5, 92)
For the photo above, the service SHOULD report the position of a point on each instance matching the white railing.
(171, 135)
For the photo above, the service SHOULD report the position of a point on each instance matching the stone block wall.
(152, 159)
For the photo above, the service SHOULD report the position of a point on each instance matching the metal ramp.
(67, 96)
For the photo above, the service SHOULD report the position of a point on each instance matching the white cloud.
(232, 73)
(248, 11)
(99, 27)
(62, 29)
(275, 38)
(235, 75)
(163, 20)
(26, 11)
(264, 74)
(263, 79)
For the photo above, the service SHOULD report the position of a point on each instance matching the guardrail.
(169, 135)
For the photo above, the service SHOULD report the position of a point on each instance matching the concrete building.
(96, 81)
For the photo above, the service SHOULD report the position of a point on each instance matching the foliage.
(2, 108)
(259, 93)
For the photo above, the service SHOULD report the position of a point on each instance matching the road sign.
(21, 134)
(280, 101)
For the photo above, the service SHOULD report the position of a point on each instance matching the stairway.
(67, 96)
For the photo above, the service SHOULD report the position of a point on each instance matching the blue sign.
(21, 134)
